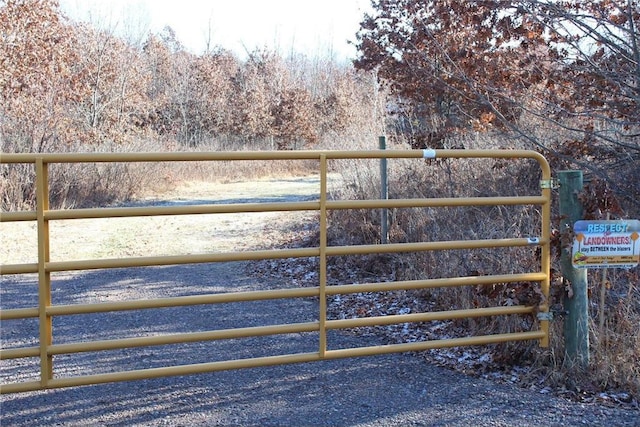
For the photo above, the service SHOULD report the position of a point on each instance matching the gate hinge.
(549, 184)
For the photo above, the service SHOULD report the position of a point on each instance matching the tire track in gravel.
(386, 390)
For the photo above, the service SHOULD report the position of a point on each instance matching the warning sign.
(600, 244)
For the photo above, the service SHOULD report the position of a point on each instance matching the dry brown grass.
(101, 184)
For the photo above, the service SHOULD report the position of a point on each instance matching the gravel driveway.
(389, 390)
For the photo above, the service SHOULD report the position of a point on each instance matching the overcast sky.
(314, 27)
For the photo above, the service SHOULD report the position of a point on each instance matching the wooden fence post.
(576, 300)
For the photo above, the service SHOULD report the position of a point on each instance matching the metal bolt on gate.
(44, 311)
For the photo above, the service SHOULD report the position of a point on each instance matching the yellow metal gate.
(44, 311)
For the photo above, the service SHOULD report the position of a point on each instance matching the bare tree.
(571, 66)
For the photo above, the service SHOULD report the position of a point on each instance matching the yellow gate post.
(44, 276)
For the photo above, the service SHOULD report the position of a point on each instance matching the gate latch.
(549, 184)
(551, 314)
(545, 315)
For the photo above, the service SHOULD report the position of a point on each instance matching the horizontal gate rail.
(271, 254)
(45, 311)
(269, 207)
(257, 331)
(257, 362)
(275, 155)
(75, 309)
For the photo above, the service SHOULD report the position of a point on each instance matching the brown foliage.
(62, 82)
(493, 65)
(469, 58)
(40, 79)
(66, 86)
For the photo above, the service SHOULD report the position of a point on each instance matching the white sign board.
(602, 244)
